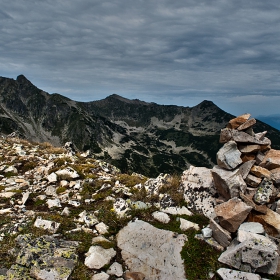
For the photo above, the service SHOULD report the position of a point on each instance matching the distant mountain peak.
(126, 100)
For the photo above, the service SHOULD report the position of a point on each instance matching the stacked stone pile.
(240, 195)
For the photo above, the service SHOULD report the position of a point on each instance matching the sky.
(177, 52)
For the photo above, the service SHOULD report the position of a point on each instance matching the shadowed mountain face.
(133, 135)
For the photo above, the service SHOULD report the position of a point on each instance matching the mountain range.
(131, 134)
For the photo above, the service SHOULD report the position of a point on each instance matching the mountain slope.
(134, 135)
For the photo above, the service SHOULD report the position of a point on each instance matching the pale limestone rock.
(51, 191)
(65, 212)
(97, 257)
(52, 178)
(185, 225)
(53, 203)
(211, 241)
(100, 276)
(11, 169)
(102, 228)
(264, 192)
(6, 211)
(260, 172)
(252, 255)
(64, 183)
(221, 235)
(228, 183)
(245, 168)
(253, 181)
(199, 190)
(177, 211)
(230, 274)
(271, 159)
(232, 213)
(207, 232)
(243, 235)
(146, 249)
(252, 227)
(228, 156)
(25, 197)
(115, 269)
(89, 219)
(161, 217)
(67, 173)
(7, 194)
(51, 226)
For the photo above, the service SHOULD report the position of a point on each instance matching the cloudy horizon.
(168, 52)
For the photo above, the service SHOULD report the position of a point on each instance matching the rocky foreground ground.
(66, 215)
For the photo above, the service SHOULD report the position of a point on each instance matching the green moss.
(61, 190)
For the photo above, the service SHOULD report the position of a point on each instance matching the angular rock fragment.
(236, 122)
(146, 249)
(271, 159)
(134, 276)
(228, 156)
(276, 176)
(115, 269)
(252, 255)
(228, 183)
(100, 276)
(185, 225)
(270, 221)
(230, 274)
(260, 172)
(247, 124)
(232, 213)
(252, 227)
(221, 235)
(253, 181)
(245, 168)
(97, 257)
(161, 217)
(67, 173)
(51, 226)
(248, 149)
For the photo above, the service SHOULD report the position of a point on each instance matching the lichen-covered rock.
(264, 192)
(199, 190)
(230, 274)
(161, 217)
(43, 258)
(51, 226)
(252, 255)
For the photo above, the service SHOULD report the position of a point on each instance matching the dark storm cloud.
(162, 51)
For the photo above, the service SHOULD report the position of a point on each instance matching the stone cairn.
(241, 197)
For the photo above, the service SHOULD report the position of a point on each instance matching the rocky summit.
(133, 135)
(67, 215)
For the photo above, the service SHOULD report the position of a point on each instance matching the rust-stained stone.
(236, 122)
(252, 180)
(270, 221)
(260, 172)
(248, 157)
(271, 159)
(232, 213)
(276, 176)
(247, 124)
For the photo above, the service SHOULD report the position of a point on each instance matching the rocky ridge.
(67, 215)
(133, 135)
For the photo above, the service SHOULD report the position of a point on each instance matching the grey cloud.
(155, 49)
